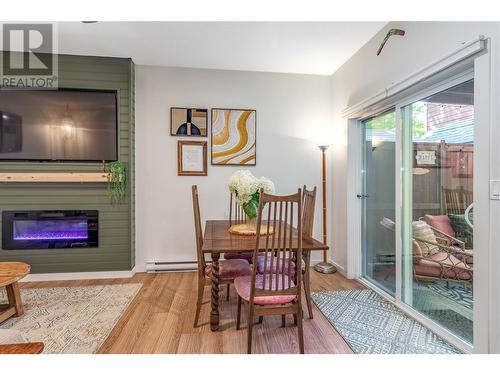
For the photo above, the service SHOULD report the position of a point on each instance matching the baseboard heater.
(159, 266)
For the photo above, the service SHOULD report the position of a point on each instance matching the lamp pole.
(325, 266)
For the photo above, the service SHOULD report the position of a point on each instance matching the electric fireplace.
(49, 229)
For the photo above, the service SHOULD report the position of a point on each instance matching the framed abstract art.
(188, 122)
(233, 136)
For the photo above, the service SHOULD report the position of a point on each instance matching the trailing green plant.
(117, 181)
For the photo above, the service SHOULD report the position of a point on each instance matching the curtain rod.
(466, 50)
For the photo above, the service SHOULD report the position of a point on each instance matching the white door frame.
(482, 76)
(354, 179)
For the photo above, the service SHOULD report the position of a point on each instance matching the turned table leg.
(14, 297)
(214, 313)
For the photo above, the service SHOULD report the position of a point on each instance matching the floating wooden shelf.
(55, 177)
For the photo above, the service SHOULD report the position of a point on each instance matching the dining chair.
(277, 290)
(228, 269)
(308, 204)
(236, 213)
(237, 216)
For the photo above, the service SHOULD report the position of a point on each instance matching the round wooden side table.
(10, 274)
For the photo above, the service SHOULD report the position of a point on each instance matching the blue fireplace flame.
(50, 230)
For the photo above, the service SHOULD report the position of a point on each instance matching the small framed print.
(191, 158)
(188, 122)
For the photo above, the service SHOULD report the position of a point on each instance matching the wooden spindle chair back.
(308, 205)
(198, 231)
(282, 212)
(236, 213)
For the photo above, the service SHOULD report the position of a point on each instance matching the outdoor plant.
(117, 180)
(246, 187)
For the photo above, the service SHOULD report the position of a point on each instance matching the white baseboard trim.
(79, 276)
(340, 269)
(179, 266)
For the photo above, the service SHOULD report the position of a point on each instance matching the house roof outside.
(381, 135)
(458, 132)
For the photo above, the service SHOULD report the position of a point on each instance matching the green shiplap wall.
(116, 222)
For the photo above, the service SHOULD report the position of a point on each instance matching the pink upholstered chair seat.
(230, 269)
(449, 267)
(243, 287)
(246, 255)
(260, 265)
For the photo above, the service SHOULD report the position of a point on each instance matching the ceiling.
(290, 47)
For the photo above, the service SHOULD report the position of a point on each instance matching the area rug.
(450, 306)
(74, 320)
(456, 323)
(456, 292)
(372, 325)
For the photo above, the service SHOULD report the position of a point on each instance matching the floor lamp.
(325, 266)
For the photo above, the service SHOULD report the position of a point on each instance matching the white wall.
(366, 74)
(291, 109)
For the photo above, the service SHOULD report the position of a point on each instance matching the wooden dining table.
(217, 240)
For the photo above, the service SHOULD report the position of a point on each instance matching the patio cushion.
(230, 269)
(246, 255)
(440, 222)
(243, 288)
(443, 265)
(417, 252)
(422, 231)
(463, 231)
(261, 261)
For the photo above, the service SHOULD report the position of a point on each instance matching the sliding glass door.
(417, 166)
(378, 200)
(438, 149)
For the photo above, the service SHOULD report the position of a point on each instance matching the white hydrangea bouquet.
(245, 186)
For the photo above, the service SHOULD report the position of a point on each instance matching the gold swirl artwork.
(233, 136)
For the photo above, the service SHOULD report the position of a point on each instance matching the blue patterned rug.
(450, 306)
(455, 292)
(372, 325)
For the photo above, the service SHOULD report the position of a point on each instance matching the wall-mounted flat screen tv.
(58, 125)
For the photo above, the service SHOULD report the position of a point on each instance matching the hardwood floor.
(160, 319)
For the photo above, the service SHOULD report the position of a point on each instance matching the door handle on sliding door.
(362, 195)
